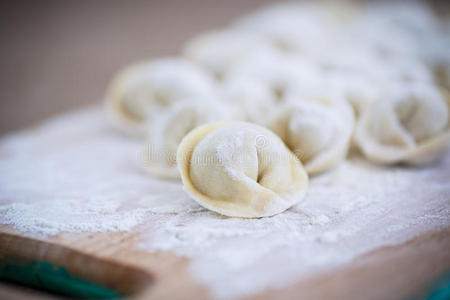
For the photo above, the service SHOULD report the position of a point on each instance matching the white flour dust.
(74, 174)
(352, 210)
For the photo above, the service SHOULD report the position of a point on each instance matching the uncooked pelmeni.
(283, 75)
(293, 27)
(363, 87)
(405, 70)
(317, 130)
(219, 51)
(240, 169)
(363, 75)
(400, 29)
(252, 100)
(146, 89)
(166, 131)
(410, 125)
(258, 85)
(359, 90)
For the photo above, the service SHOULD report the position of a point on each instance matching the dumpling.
(367, 81)
(409, 125)
(401, 28)
(293, 27)
(258, 85)
(240, 169)
(219, 51)
(144, 90)
(359, 90)
(166, 131)
(283, 75)
(252, 100)
(317, 130)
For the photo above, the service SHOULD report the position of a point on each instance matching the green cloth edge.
(44, 275)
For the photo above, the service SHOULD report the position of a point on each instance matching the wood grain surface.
(112, 260)
(57, 55)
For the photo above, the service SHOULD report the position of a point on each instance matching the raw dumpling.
(219, 51)
(293, 27)
(317, 130)
(367, 80)
(144, 90)
(283, 75)
(410, 125)
(359, 90)
(240, 169)
(401, 28)
(166, 131)
(257, 86)
(252, 100)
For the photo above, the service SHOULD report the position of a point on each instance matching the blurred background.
(60, 55)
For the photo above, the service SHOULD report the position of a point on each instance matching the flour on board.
(86, 178)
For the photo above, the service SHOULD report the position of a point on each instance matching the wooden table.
(395, 272)
(57, 55)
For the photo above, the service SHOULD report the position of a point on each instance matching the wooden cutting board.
(105, 265)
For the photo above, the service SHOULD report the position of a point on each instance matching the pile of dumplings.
(248, 113)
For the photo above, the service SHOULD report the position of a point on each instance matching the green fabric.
(440, 289)
(44, 275)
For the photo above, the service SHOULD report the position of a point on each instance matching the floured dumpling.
(240, 169)
(260, 84)
(144, 90)
(293, 27)
(219, 51)
(317, 130)
(411, 125)
(283, 75)
(366, 83)
(166, 131)
(252, 100)
(357, 89)
(400, 28)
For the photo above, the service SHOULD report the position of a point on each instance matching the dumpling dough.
(240, 169)
(283, 75)
(293, 27)
(410, 125)
(219, 51)
(144, 90)
(366, 82)
(257, 86)
(317, 130)
(251, 100)
(166, 131)
(359, 90)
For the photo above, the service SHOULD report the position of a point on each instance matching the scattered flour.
(74, 174)
(349, 211)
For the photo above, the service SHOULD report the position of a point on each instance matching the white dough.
(240, 169)
(220, 51)
(292, 27)
(144, 90)
(317, 130)
(283, 75)
(166, 131)
(409, 125)
(251, 100)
